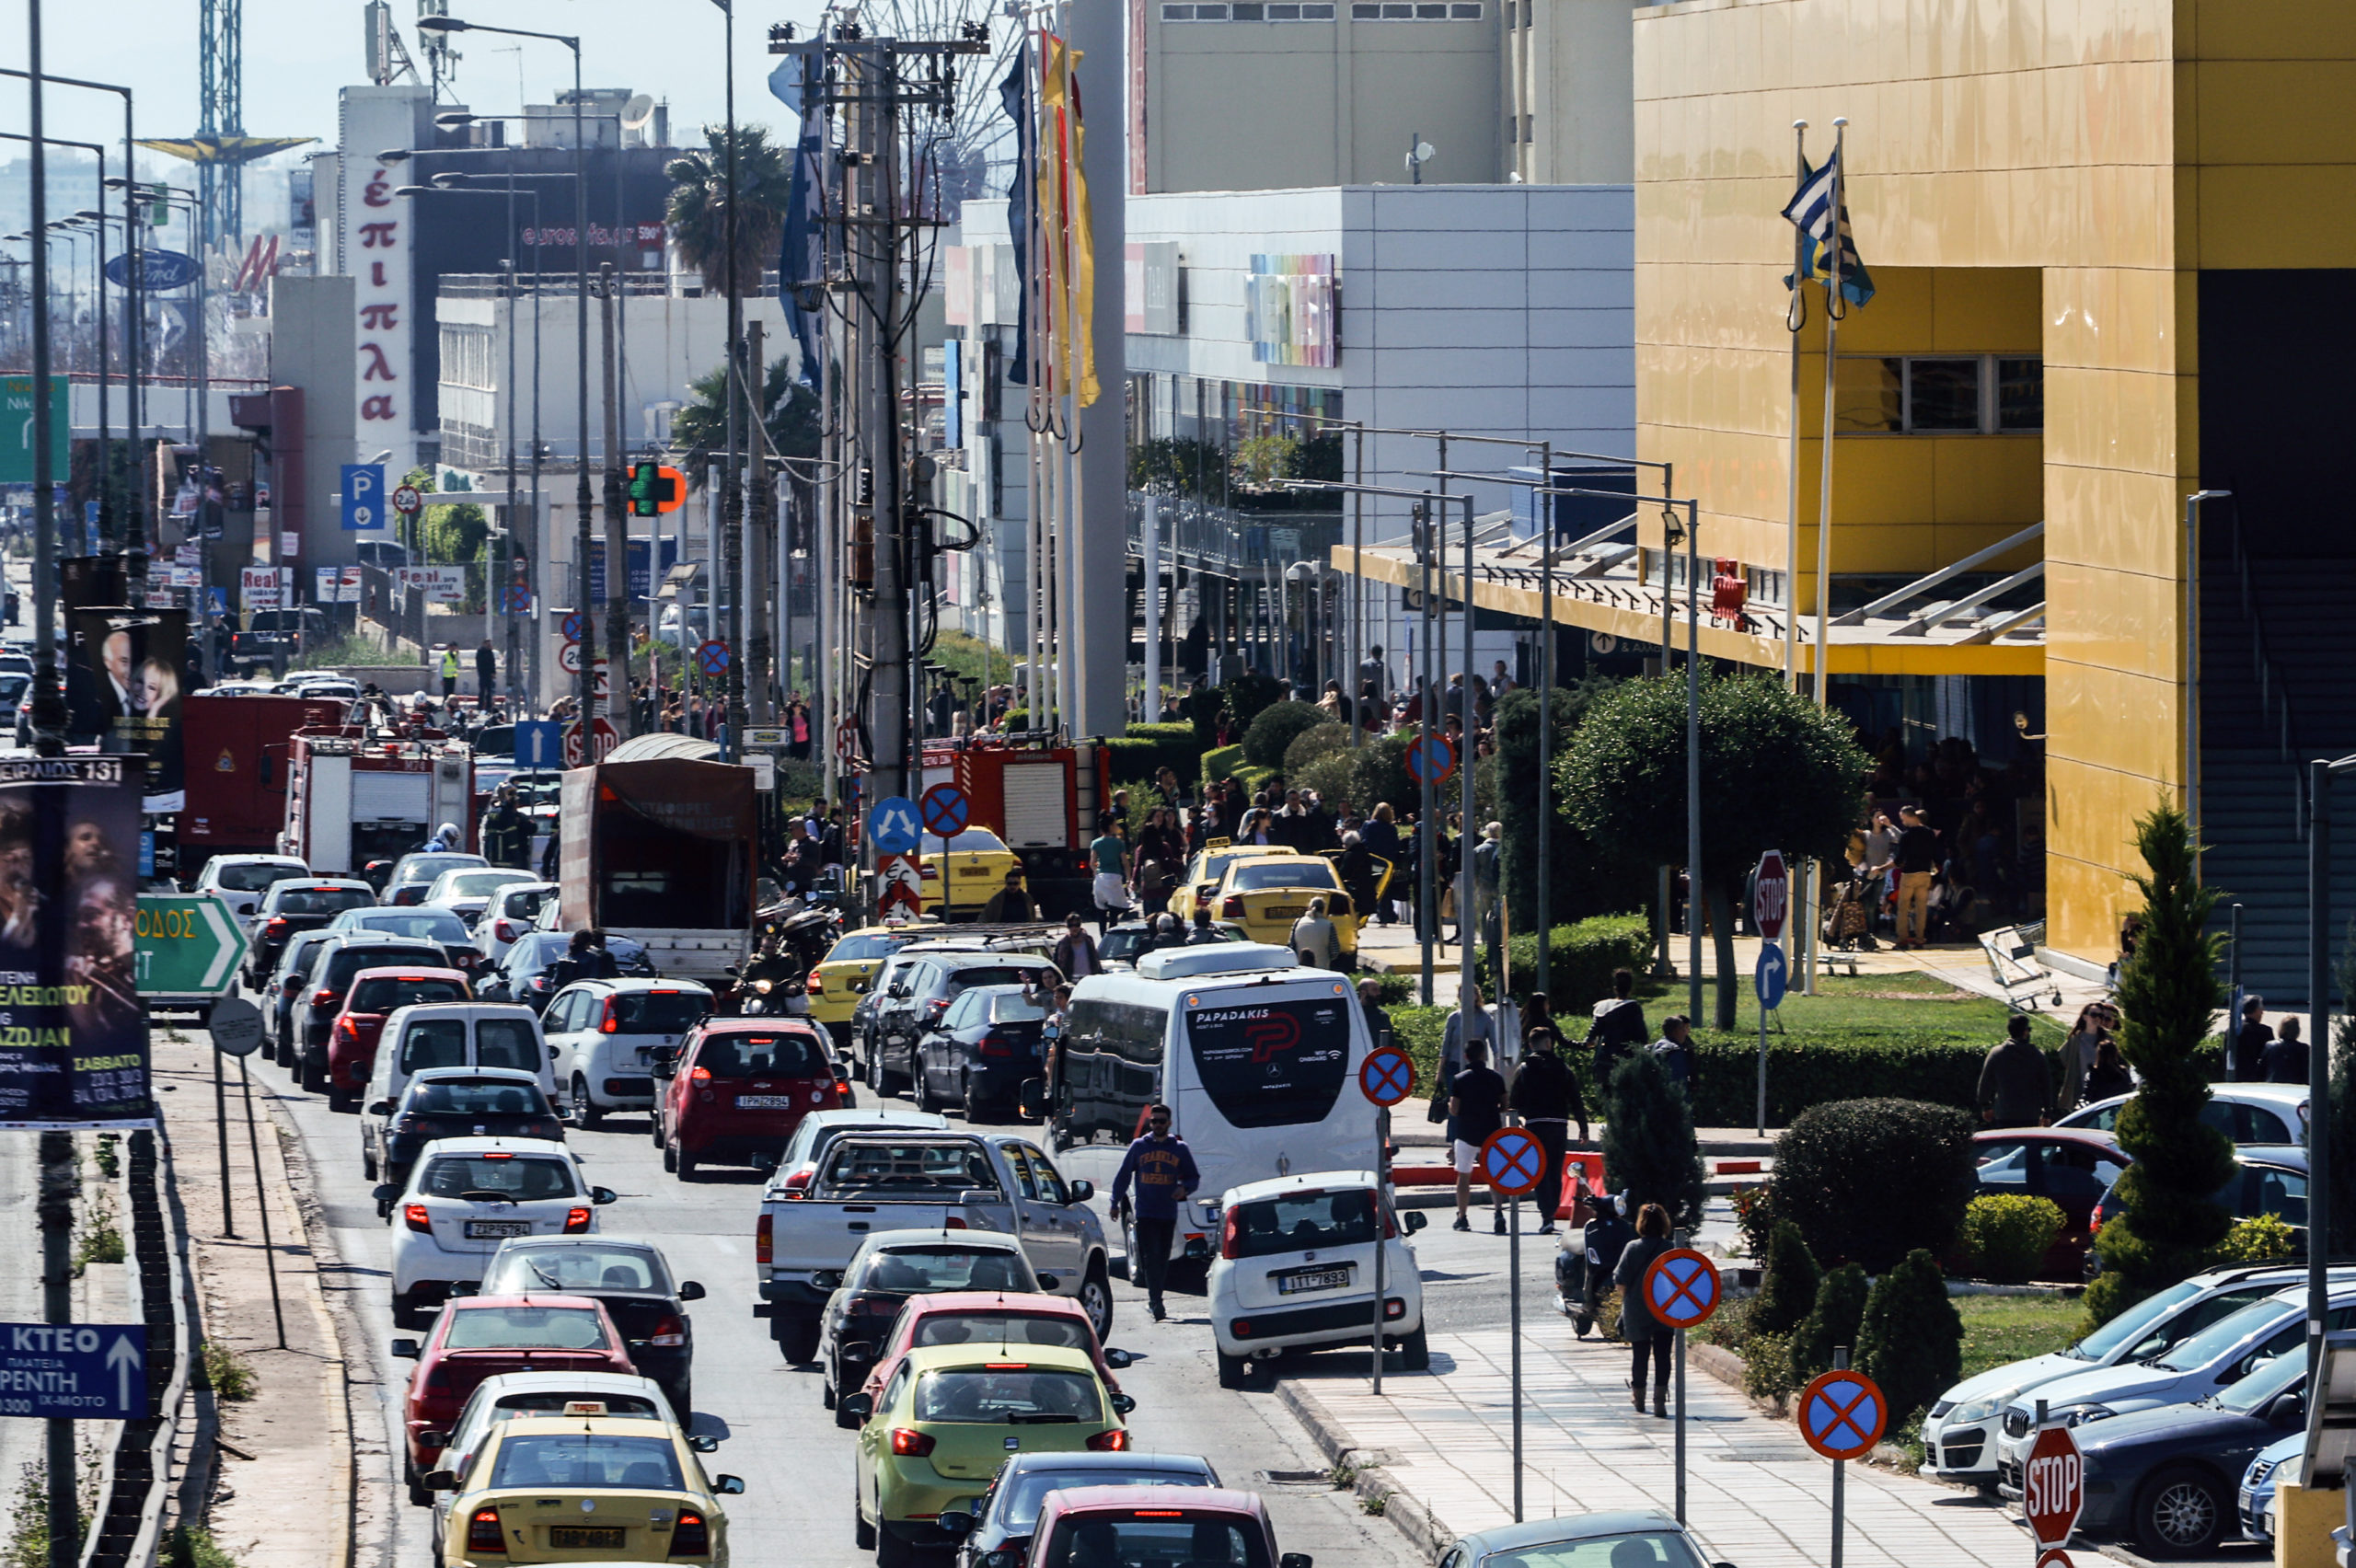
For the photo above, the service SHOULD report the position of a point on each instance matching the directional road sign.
(574, 624)
(234, 1024)
(80, 1371)
(903, 884)
(363, 497)
(1771, 975)
(1387, 1075)
(1771, 895)
(946, 810)
(539, 742)
(712, 658)
(2053, 1486)
(1512, 1162)
(892, 826)
(187, 945)
(1431, 760)
(17, 428)
(607, 738)
(1843, 1415)
(1682, 1288)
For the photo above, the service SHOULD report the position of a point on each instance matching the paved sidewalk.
(1755, 1493)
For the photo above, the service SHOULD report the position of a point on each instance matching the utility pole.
(760, 571)
(617, 533)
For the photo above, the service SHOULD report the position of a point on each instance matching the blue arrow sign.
(892, 826)
(540, 743)
(83, 1371)
(1771, 976)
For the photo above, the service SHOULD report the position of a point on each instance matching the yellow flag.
(1063, 203)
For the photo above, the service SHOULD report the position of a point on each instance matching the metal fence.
(1220, 538)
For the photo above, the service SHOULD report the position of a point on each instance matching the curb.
(1372, 1481)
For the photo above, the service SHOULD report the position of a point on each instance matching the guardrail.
(136, 1483)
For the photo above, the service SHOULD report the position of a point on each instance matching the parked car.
(239, 881)
(640, 1477)
(450, 1102)
(332, 974)
(631, 1279)
(1296, 1270)
(992, 1040)
(1126, 1524)
(605, 1035)
(376, 995)
(2246, 1112)
(508, 915)
(465, 1197)
(440, 927)
(920, 993)
(2166, 1479)
(464, 892)
(413, 873)
(1000, 1533)
(891, 1266)
(1581, 1540)
(733, 1091)
(2270, 1180)
(2254, 1498)
(2072, 1167)
(526, 975)
(293, 906)
(506, 1395)
(482, 1336)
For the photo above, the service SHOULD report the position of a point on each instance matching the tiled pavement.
(1755, 1494)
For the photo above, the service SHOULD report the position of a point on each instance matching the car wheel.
(974, 1107)
(683, 1403)
(670, 1159)
(1131, 1270)
(874, 1055)
(344, 1100)
(2180, 1513)
(862, 1534)
(891, 1551)
(313, 1077)
(655, 1124)
(686, 1164)
(1096, 1301)
(797, 1338)
(585, 1113)
(367, 1160)
(1234, 1371)
(919, 1083)
(1416, 1351)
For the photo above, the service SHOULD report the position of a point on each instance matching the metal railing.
(1216, 538)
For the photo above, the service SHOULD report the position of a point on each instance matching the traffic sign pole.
(1680, 1289)
(1770, 900)
(1514, 1164)
(1385, 1077)
(1842, 1416)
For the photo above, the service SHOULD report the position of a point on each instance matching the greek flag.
(1811, 211)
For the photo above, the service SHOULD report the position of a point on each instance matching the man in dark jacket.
(2015, 1081)
(1619, 1027)
(1205, 933)
(1011, 905)
(1546, 1094)
(2285, 1060)
(2251, 1040)
(1163, 1168)
(506, 831)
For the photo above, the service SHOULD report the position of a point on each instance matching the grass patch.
(99, 1239)
(1912, 1006)
(1998, 1329)
(339, 653)
(232, 1381)
(193, 1546)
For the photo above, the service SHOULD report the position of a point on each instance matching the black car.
(272, 632)
(1002, 1521)
(289, 908)
(451, 1103)
(2167, 1477)
(991, 1039)
(919, 995)
(526, 974)
(444, 927)
(633, 1281)
(287, 992)
(858, 1316)
(332, 975)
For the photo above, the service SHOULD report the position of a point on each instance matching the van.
(455, 1034)
(1255, 1056)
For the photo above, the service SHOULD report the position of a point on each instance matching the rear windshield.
(322, 900)
(1012, 1395)
(1304, 1221)
(477, 884)
(384, 996)
(1004, 1328)
(1272, 1063)
(507, 1043)
(733, 1056)
(433, 1043)
(510, 1406)
(425, 868)
(880, 1169)
(1013, 1008)
(1020, 1509)
(1126, 1541)
(572, 1269)
(659, 1012)
(476, 1097)
(456, 1175)
(925, 1271)
(255, 878)
(1249, 877)
(1007, 974)
(589, 1461)
(526, 1328)
(524, 903)
(418, 925)
(351, 961)
(2191, 1354)
(876, 944)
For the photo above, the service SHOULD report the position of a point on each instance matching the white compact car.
(467, 1195)
(239, 881)
(1294, 1270)
(602, 1035)
(509, 915)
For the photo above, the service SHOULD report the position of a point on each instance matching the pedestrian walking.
(1675, 1049)
(1378, 1020)
(1108, 856)
(1650, 1338)
(486, 670)
(1618, 1028)
(1546, 1095)
(1476, 1099)
(1315, 938)
(2015, 1088)
(1487, 856)
(2096, 1020)
(2285, 1060)
(1918, 862)
(506, 831)
(2109, 1076)
(1011, 905)
(2251, 1040)
(1469, 1021)
(1162, 1167)
(1076, 953)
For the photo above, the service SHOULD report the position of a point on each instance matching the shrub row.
(1579, 962)
(1140, 756)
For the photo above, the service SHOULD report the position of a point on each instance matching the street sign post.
(1386, 1077)
(1682, 1290)
(2053, 1486)
(892, 826)
(946, 810)
(407, 501)
(900, 885)
(1842, 1414)
(606, 739)
(1768, 981)
(363, 497)
(1771, 895)
(539, 742)
(186, 945)
(74, 1371)
(235, 1026)
(1513, 1163)
(572, 628)
(712, 658)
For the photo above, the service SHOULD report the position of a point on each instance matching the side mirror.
(1048, 1282)
(603, 1196)
(828, 1279)
(381, 1108)
(552, 1053)
(729, 1485)
(441, 1480)
(1118, 1360)
(842, 1073)
(859, 1406)
(1082, 1192)
(461, 1287)
(690, 1291)
(2290, 1410)
(383, 1192)
(703, 1443)
(855, 1350)
(1122, 1405)
(405, 1349)
(1004, 1557)
(1414, 1220)
(1294, 1560)
(434, 1439)
(956, 1522)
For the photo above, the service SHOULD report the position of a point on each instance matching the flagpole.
(1795, 317)
(1835, 309)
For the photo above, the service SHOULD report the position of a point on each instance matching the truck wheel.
(1234, 1371)
(1096, 1301)
(585, 1114)
(1416, 1351)
(797, 1338)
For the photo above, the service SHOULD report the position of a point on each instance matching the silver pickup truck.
(919, 1180)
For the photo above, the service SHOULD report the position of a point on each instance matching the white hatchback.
(1296, 1271)
(467, 1195)
(239, 881)
(602, 1036)
(509, 915)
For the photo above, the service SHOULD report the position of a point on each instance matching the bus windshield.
(1272, 1063)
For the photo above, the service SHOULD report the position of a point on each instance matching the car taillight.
(417, 1219)
(938, 1006)
(611, 1023)
(953, 1222)
(576, 1220)
(323, 999)
(765, 1240)
(671, 1328)
(1114, 1442)
(993, 1045)
(691, 1537)
(909, 1443)
(1232, 906)
(483, 1533)
(815, 984)
(796, 1185)
(699, 1075)
(351, 1030)
(277, 923)
(1230, 1237)
(502, 930)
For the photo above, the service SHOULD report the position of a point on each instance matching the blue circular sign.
(712, 658)
(946, 810)
(892, 826)
(159, 269)
(1682, 1288)
(1772, 976)
(1431, 760)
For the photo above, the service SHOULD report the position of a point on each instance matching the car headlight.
(2078, 1415)
(1980, 1410)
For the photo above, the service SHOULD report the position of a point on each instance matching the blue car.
(2258, 1486)
(2165, 1478)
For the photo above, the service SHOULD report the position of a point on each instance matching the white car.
(1294, 1270)
(507, 914)
(602, 1035)
(327, 687)
(239, 881)
(466, 1196)
(465, 892)
(2244, 1112)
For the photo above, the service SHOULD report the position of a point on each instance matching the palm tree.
(698, 211)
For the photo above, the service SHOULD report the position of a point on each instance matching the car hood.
(2132, 1440)
(2111, 1385)
(2014, 1375)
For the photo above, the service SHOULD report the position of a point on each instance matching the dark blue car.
(991, 1039)
(2166, 1478)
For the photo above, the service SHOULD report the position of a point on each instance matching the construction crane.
(221, 112)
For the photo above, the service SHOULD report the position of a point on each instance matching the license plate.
(764, 1102)
(606, 1537)
(488, 1230)
(1314, 1279)
(1282, 910)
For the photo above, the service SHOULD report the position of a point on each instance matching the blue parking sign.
(363, 497)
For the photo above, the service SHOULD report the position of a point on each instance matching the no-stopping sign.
(1682, 1288)
(1387, 1075)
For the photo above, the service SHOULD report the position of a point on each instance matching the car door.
(561, 1024)
(1050, 1230)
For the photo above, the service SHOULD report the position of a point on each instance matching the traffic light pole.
(617, 545)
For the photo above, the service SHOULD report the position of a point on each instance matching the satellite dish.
(638, 111)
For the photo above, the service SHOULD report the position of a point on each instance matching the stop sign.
(1771, 895)
(2053, 1486)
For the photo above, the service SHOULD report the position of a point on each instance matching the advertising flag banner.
(123, 689)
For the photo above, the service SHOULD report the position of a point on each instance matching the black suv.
(272, 632)
(331, 977)
(919, 996)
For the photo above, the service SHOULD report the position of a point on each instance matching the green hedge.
(1579, 962)
(1220, 762)
(1140, 755)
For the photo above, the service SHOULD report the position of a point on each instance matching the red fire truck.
(239, 750)
(352, 798)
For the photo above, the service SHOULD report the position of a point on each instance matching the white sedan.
(465, 1197)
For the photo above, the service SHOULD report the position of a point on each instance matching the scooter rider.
(1606, 1236)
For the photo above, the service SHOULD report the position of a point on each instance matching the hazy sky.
(298, 52)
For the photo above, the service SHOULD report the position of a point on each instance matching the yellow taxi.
(585, 1487)
(964, 871)
(837, 981)
(1265, 894)
(1203, 874)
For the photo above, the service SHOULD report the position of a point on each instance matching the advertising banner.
(73, 1036)
(446, 582)
(124, 671)
(257, 585)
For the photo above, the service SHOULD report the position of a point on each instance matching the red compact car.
(737, 1087)
(2071, 1166)
(480, 1336)
(351, 1039)
(1131, 1523)
(991, 1317)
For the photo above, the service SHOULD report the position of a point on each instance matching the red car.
(1133, 1524)
(480, 1336)
(2073, 1167)
(736, 1088)
(968, 1316)
(351, 1039)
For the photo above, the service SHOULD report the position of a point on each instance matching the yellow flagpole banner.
(1073, 275)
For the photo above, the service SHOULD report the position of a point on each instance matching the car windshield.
(589, 1462)
(743, 1055)
(2255, 1392)
(961, 980)
(417, 925)
(493, 1327)
(1019, 1510)
(574, 1270)
(877, 1169)
(924, 1270)
(1124, 1540)
(1011, 1007)
(253, 877)
(973, 838)
(2226, 1333)
(1010, 1394)
(1298, 1221)
(425, 868)
(658, 1012)
(475, 1097)
(507, 1043)
(382, 995)
(319, 900)
(871, 944)
(2131, 1325)
(456, 1175)
(1254, 878)
(1643, 1548)
(1004, 1328)
(478, 885)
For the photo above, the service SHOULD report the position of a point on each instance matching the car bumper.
(1965, 1453)
(910, 1494)
(1329, 1322)
(622, 1093)
(2256, 1512)
(759, 1149)
(802, 1299)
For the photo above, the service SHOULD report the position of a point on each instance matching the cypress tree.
(1649, 1147)
(1832, 1322)
(1788, 1290)
(1911, 1343)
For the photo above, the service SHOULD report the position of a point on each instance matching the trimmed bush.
(1246, 696)
(1869, 1181)
(1767, 1367)
(1380, 775)
(1787, 1293)
(1330, 773)
(1140, 756)
(1275, 728)
(1832, 1322)
(1316, 741)
(1911, 1340)
(2005, 1235)
(1579, 962)
(1648, 1142)
(2261, 1239)
(1220, 762)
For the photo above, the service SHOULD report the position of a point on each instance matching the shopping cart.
(2012, 959)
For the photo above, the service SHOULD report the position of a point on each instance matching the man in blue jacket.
(1163, 1168)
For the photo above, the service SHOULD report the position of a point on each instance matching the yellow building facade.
(2042, 183)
